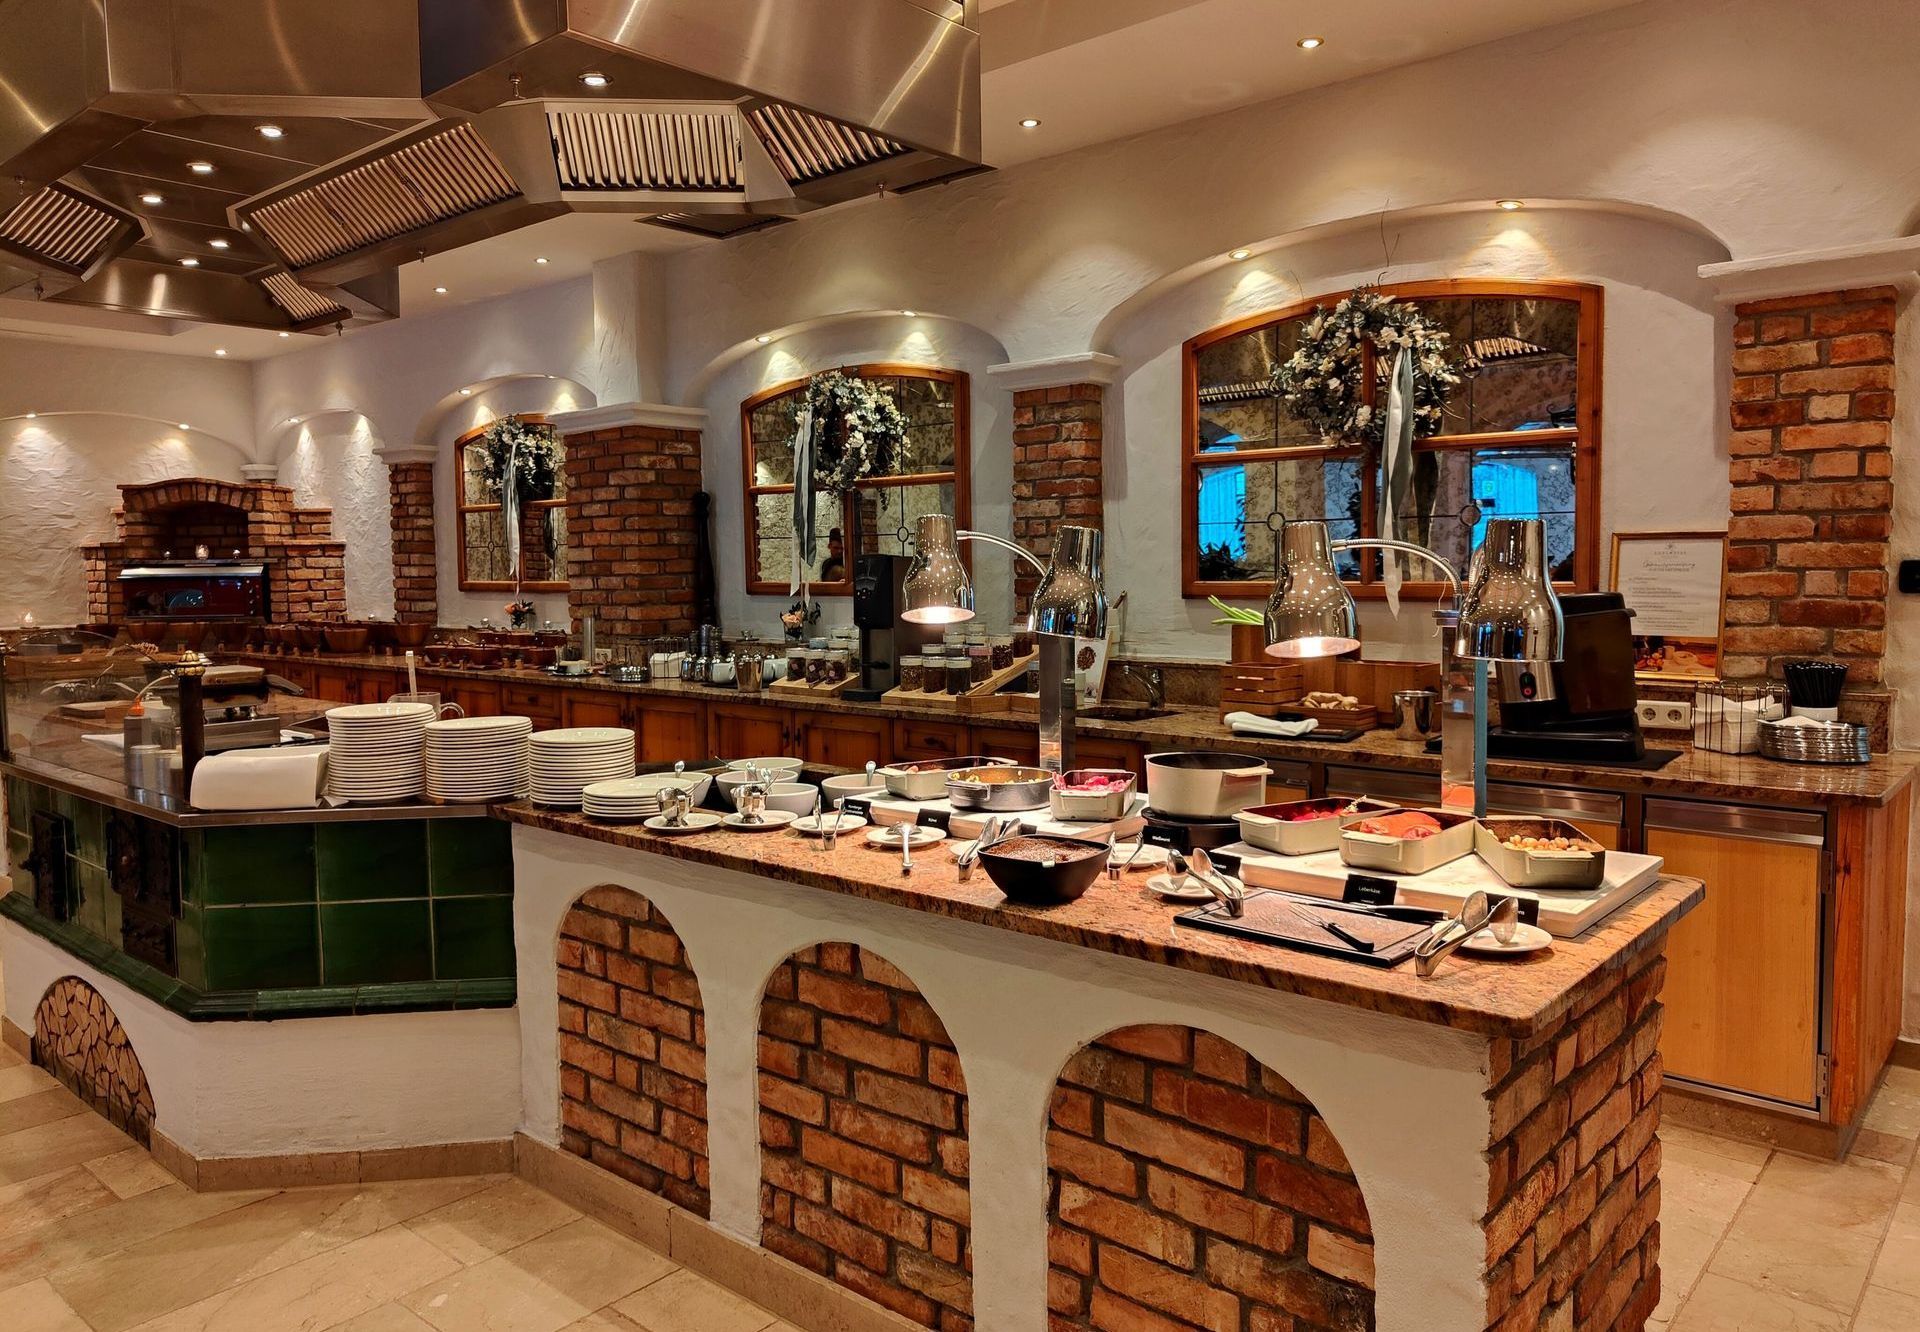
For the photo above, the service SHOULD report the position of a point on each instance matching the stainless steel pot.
(1416, 714)
(1199, 784)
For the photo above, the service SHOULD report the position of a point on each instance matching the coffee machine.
(878, 598)
(1580, 708)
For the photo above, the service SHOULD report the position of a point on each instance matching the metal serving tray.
(1401, 855)
(1577, 871)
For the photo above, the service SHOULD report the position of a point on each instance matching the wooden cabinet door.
(477, 698)
(334, 683)
(539, 702)
(914, 740)
(1104, 753)
(1021, 744)
(591, 707)
(375, 685)
(1743, 969)
(746, 730)
(837, 740)
(671, 730)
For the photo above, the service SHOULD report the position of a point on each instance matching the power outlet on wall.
(1658, 714)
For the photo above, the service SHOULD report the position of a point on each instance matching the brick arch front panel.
(863, 1135)
(1189, 1187)
(633, 1047)
(77, 1039)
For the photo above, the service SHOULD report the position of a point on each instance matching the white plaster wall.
(1418, 1158)
(312, 1085)
(332, 462)
(877, 337)
(1661, 393)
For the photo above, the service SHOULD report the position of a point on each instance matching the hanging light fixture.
(1071, 599)
(937, 588)
(1310, 612)
(1509, 611)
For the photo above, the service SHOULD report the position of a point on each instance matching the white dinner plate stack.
(375, 751)
(565, 762)
(472, 760)
(629, 800)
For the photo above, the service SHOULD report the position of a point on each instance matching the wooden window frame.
(1584, 434)
(960, 477)
(462, 508)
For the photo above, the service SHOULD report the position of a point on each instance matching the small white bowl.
(778, 765)
(795, 796)
(849, 784)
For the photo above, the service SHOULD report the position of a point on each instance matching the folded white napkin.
(1247, 723)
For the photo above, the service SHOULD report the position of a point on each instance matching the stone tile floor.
(95, 1237)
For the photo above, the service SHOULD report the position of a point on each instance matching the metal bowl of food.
(999, 788)
(926, 779)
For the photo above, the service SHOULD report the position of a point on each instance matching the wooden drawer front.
(376, 686)
(1279, 793)
(529, 700)
(670, 731)
(1743, 969)
(583, 707)
(475, 699)
(927, 740)
(842, 742)
(333, 683)
(1021, 745)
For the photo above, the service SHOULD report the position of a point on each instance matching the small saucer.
(815, 826)
(1526, 939)
(1189, 890)
(889, 836)
(1148, 857)
(769, 821)
(697, 821)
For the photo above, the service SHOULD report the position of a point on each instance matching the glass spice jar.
(1025, 642)
(979, 663)
(959, 675)
(836, 665)
(1001, 648)
(797, 662)
(816, 665)
(935, 670)
(912, 673)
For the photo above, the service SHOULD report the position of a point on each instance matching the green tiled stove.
(269, 920)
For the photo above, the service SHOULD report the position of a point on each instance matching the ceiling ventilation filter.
(302, 303)
(647, 150)
(807, 147)
(61, 228)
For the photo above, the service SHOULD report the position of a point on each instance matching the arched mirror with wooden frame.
(932, 476)
(482, 536)
(1520, 439)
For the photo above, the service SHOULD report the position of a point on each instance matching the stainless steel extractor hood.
(271, 162)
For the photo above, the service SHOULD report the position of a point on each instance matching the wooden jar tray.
(980, 698)
(801, 689)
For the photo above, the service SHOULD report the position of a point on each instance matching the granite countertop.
(1698, 773)
(1511, 998)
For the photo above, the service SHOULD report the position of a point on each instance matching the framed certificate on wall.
(1675, 583)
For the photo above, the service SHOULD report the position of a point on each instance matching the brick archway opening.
(78, 1039)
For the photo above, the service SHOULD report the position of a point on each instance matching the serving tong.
(1477, 913)
(998, 828)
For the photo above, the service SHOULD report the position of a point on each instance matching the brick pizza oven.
(166, 520)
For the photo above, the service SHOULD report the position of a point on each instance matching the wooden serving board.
(980, 698)
(801, 689)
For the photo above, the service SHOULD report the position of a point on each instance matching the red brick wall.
(633, 1047)
(863, 1135)
(416, 589)
(630, 529)
(1812, 491)
(1056, 469)
(1189, 1186)
(1573, 1239)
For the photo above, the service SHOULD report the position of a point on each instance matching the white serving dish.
(1191, 784)
(1079, 807)
(777, 765)
(1566, 870)
(1410, 855)
(780, 794)
(1266, 827)
(285, 778)
(835, 789)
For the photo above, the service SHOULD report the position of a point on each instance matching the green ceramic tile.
(190, 947)
(90, 834)
(360, 861)
(324, 1001)
(422, 997)
(249, 866)
(261, 947)
(90, 882)
(469, 856)
(501, 993)
(473, 937)
(366, 943)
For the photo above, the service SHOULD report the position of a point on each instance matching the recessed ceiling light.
(910, 313)
(764, 338)
(150, 198)
(439, 291)
(1311, 43)
(286, 335)
(466, 393)
(1030, 122)
(189, 263)
(183, 425)
(541, 260)
(593, 78)
(1240, 254)
(200, 168)
(219, 244)
(270, 131)
(219, 351)
(32, 415)
(1510, 205)
(293, 420)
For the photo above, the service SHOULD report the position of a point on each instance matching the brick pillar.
(632, 473)
(1056, 469)
(1812, 491)
(416, 590)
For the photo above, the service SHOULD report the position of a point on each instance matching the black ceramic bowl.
(1029, 878)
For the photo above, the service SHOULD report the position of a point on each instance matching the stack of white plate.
(471, 760)
(628, 800)
(565, 762)
(375, 751)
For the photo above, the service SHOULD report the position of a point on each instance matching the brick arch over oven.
(77, 1039)
(863, 1134)
(1189, 1185)
(633, 1047)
